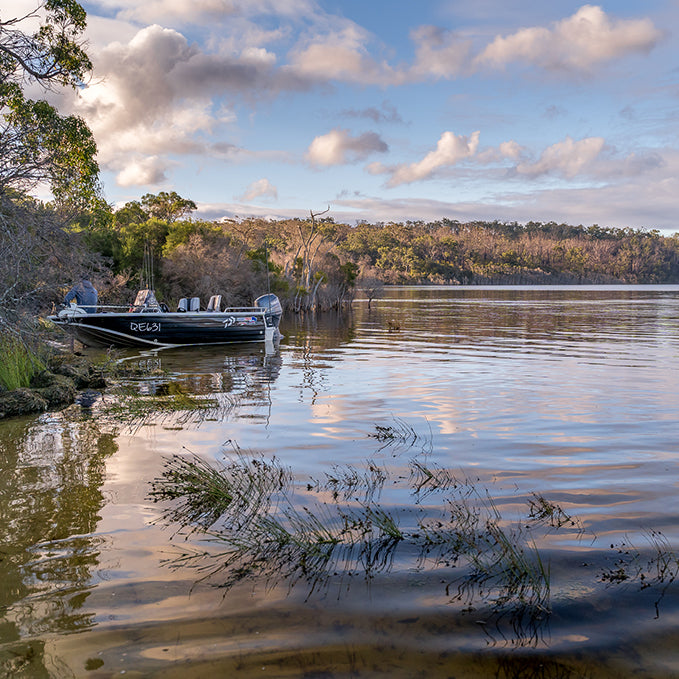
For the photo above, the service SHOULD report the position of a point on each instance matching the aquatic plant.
(262, 529)
(236, 491)
(542, 509)
(345, 481)
(401, 436)
(261, 524)
(426, 479)
(126, 404)
(657, 571)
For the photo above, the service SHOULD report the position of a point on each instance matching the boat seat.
(215, 303)
(189, 304)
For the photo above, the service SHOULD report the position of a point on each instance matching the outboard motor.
(70, 311)
(272, 305)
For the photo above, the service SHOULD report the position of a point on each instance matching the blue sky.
(394, 110)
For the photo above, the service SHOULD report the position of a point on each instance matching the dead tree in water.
(311, 241)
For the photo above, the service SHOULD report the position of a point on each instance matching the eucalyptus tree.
(41, 49)
(38, 145)
(167, 206)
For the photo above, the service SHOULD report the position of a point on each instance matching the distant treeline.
(478, 252)
(318, 263)
(312, 263)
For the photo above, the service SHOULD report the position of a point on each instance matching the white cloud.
(577, 42)
(507, 150)
(439, 53)
(341, 55)
(142, 172)
(196, 11)
(640, 201)
(567, 157)
(154, 94)
(259, 188)
(450, 150)
(338, 147)
(510, 149)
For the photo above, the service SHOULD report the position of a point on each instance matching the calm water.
(522, 440)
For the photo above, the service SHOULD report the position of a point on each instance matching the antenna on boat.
(146, 274)
(268, 282)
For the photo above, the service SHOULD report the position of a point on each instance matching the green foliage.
(180, 233)
(260, 256)
(51, 55)
(496, 252)
(350, 271)
(19, 363)
(38, 145)
(131, 213)
(135, 237)
(167, 206)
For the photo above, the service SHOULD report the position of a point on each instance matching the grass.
(19, 363)
(400, 436)
(239, 490)
(263, 525)
(273, 528)
(658, 571)
(549, 512)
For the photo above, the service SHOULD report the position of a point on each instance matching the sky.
(389, 110)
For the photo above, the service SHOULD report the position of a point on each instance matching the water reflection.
(563, 394)
(189, 386)
(205, 370)
(51, 474)
(330, 533)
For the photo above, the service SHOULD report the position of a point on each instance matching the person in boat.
(84, 293)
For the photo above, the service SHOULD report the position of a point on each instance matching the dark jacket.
(85, 295)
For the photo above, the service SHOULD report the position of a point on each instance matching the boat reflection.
(204, 370)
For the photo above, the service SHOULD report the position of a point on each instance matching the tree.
(53, 54)
(38, 257)
(130, 213)
(167, 206)
(36, 143)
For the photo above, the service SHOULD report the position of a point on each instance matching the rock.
(21, 402)
(42, 379)
(54, 389)
(59, 393)
(87, 398)
(83, 375)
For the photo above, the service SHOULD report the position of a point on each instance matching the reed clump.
(266, 525)
(19, 364)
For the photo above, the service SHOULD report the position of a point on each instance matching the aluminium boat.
(150, 324)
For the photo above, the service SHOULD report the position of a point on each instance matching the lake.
(453, 482)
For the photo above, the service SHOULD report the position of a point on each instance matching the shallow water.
(504, 395)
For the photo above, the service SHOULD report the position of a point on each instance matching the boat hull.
(158, 329)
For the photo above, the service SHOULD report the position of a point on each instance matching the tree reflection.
(51, 474)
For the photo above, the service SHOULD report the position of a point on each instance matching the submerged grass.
(237, 491)
(658, 571)
(126, 404)
(267, 526)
